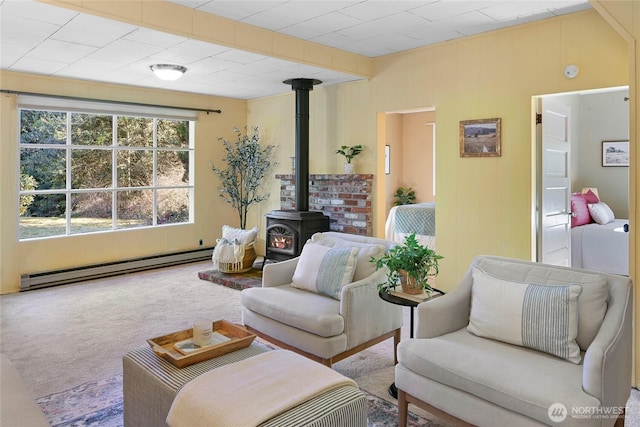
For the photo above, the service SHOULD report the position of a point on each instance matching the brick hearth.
(345, 199)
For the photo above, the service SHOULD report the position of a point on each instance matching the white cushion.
(242, 236)
(364, 268)
(601, 213)
(541, 317)
(324, 270)
(592, 304)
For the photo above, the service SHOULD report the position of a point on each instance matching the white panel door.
(555, 211)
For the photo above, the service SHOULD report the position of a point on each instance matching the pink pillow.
(590, 197)
(580, 210)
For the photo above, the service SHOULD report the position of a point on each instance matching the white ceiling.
(44, 39)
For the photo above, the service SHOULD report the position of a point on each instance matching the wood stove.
(287, 231)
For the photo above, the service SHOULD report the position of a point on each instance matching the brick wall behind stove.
(345, 199)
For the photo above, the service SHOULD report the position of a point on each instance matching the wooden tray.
(239, 338)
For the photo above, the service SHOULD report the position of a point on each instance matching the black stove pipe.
(302, 87)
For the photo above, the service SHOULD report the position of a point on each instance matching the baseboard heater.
(97, 271)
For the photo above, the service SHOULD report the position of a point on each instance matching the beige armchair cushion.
(524, 381)
(300, 309)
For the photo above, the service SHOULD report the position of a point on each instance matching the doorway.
(406, 147)
(595, 117)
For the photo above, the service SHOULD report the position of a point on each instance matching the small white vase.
(349, 168)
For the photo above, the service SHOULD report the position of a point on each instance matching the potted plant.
(349, 153)
(404, 196)
(247, 164)
(410, 265)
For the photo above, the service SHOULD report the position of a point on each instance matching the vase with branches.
(247, 164)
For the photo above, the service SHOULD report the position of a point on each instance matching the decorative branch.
(247, 164)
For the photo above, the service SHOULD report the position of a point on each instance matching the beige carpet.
(64, 336)
(68, 335)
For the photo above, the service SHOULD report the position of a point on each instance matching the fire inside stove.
(281, 238)
(281, 242)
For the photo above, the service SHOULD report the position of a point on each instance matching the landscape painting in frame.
(480, 138)
(615, 153)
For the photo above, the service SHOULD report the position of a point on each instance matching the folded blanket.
(252, 391)
(227, 252)
(419, 218)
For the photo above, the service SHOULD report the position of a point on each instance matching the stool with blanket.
(264, 389)
(151, 384)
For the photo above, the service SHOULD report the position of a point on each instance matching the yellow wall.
(211, 212)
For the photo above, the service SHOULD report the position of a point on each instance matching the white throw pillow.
(541, 317)
(601, 213)
(324, 270)
(242, 236)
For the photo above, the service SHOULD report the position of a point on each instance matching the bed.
(406, 219)
(601, 247)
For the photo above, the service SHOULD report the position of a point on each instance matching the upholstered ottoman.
(150, 385)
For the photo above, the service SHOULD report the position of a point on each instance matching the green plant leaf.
(419, 261)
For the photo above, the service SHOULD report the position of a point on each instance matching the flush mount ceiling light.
(168, 71)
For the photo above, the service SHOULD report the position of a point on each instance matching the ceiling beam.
(183, 21)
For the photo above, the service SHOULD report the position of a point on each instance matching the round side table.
(406, 302)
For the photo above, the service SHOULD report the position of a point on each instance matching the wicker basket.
(241, 266)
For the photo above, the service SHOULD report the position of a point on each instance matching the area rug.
(99, 403)
(249, 279)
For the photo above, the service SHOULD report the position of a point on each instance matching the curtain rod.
(75, 98)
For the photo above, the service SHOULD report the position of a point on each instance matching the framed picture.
(480, 138)
(387, 160)
(615, 153)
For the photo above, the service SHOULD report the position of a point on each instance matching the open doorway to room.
(409, 147)
(582, 145)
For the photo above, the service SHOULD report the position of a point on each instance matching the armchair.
(302, 307)
(464, 368)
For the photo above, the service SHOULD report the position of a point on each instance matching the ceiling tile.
(154, 38)
(125, 51)
(26, 32)
(37, 66)
(437, 11)
(328, 23)
(40, 12)
(92, 31)
(56, 50)
(188, 52)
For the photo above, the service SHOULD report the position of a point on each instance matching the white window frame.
(32, 102)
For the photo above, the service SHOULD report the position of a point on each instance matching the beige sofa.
(17, 407)
(464, 361)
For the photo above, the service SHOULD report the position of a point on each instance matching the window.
(91, 171)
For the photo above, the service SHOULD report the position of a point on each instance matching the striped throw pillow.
(540, 317)
(325, 270)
